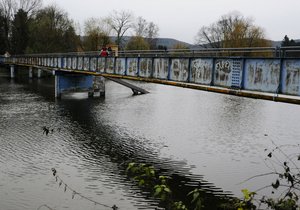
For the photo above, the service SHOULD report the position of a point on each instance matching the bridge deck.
(271, 77)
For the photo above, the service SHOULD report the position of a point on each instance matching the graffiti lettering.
(223, 66)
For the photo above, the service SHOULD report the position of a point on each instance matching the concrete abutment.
(72, 83)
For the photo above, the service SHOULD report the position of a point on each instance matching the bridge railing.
(92, 60)
(203, 52)
(216, 52)
(275, 52)
(290, 51)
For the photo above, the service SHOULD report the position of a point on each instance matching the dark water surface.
(194, 136)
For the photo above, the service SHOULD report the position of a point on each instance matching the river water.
(198, 138)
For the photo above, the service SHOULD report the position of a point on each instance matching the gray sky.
(181, 19)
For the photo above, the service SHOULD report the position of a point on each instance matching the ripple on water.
(198, 138)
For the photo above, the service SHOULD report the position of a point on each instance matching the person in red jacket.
(103, 52)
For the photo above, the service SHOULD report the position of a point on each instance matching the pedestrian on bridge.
(109, 51)
(103, 52)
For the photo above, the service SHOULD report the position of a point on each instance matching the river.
(199, 137)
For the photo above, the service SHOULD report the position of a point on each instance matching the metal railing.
(203, 52)
(276, 52)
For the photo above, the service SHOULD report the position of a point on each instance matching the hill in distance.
(167, 42)
(170, 43)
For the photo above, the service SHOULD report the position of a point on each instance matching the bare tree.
(52, 31)
(209, 36)
(232, 30)
(7, 13)
(120, 22)
(29, 6)
(97, 24)
(140, 27)
(146, 30)
(152, 33)
(96, 32)
(10, 7)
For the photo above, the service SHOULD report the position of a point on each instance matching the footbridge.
(266, 73)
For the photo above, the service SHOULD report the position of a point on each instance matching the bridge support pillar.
(30, 72)
(39, 73)
(57, 87)
(70, 83)
(12, 71)
(99, 86)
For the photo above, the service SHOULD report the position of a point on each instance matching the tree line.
(28, 27)
(232, 30)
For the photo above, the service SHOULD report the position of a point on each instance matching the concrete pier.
(39, 73)
(99, 86)
(72, 83)
(12, 71)
(30, 72)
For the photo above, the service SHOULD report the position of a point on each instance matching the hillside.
(170, 42)
(167, 42)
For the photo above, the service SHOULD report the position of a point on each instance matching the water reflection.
(198, 138)
(98, 139)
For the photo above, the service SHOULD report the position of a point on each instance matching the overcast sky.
(181, 19)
